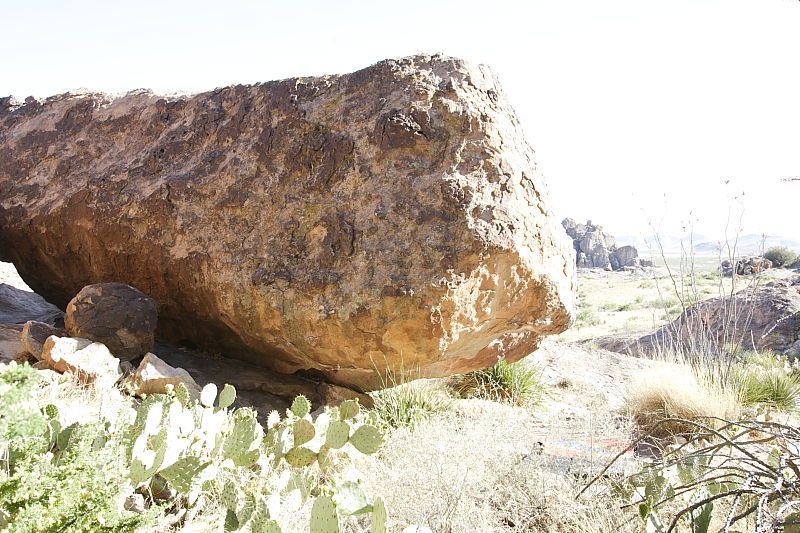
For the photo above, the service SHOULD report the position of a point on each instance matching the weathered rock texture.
(118, 315)
(390, 217)
(763, 318)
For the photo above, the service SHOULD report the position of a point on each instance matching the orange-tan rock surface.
(393, 217)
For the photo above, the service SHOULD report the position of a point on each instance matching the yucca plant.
(514, 383)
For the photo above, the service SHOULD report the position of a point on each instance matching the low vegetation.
(514, 383)
(781, 256)
(172, 460)
(407, 404)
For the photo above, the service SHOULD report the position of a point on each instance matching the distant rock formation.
(745, 266)
(595, 248)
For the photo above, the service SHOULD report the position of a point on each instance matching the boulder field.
(393, 218)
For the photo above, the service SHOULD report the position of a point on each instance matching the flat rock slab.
(18, 306)
(393, 218)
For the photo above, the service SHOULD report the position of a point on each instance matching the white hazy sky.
(638, 110)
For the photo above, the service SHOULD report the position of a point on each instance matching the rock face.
(392, 217)
(118, 315)
(761, 318)
(594, 248)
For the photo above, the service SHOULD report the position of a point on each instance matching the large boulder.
(118, 315)
(389, 218)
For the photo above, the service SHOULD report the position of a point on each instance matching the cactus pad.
(303, 431)
(378, 516)
(323, 516)
(367, 439)
(301, 406)
(208, 395)
(184, 473)
(227, 396)
(337, 434)
(348, 409)
(300, 457)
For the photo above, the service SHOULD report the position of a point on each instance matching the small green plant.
(586, 317)
(514, 383)
(407, 404)
(780, 256)
(772, 388)
(741, 475)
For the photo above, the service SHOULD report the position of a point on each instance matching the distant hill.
(747, 244)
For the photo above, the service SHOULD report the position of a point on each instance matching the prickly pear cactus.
(301, 406)
(323, 516)
(349, 409)
(226, 397)
(337, 434)
(367, 439)
(303, 431)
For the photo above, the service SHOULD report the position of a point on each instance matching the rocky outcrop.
(115, 314)
(745, 266)
(392, 217)
(762, 318)
(11, 349)
(594, 248)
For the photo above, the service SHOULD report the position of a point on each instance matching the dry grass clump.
(514, 383)
(673, 390)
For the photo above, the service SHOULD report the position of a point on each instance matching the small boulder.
(627, 256)
(153, 375)
(91, 361)
(34, 334)
(118, 315)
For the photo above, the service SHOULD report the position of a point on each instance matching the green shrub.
(773, 388)
(515, 383)
(407, 404)
(730, 476)
(57, 479)
(586, 317)
(780, 256)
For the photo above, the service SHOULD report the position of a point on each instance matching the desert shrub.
(586, 317)
(765, 381)
(514, 383)
(780, 256)
(741, 475)
(54, 478)
(675, 391)
(184, 457)
(407, 404)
